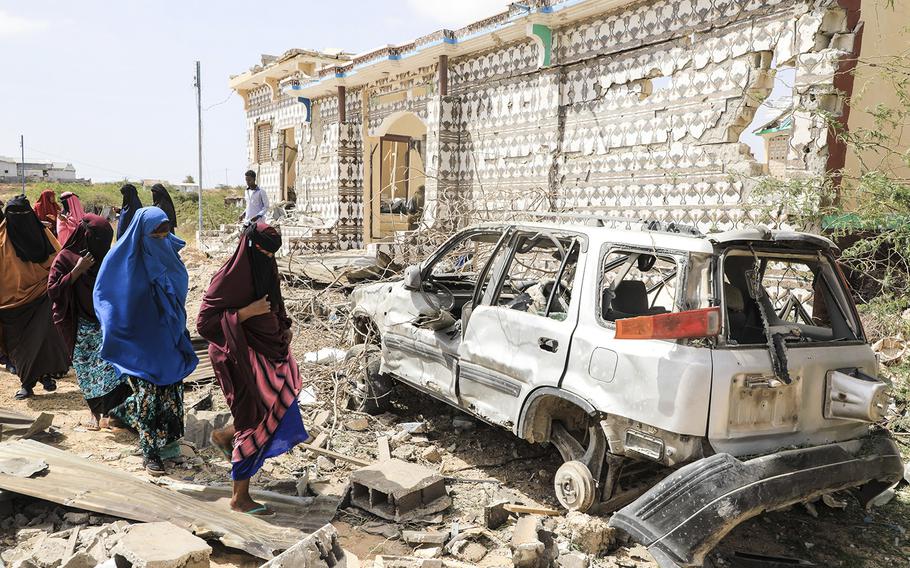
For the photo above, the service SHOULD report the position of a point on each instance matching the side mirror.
(412, 277)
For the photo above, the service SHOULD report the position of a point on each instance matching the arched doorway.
(395, 189)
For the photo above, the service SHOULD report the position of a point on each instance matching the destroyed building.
(622, 108)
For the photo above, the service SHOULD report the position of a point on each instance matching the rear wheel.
(367, 389)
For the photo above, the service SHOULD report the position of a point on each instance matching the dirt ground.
(481, 462)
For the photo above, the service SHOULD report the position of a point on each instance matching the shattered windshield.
(799, 297)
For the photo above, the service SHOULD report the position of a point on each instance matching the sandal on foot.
(260, 511)
(50, 385)
(24, 393)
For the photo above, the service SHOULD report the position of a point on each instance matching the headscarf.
(139, 299)
(29, 237)
(70, 217)
(162, 200)
(247, 276)
(128, 208)
(47, 208)
(72, 300)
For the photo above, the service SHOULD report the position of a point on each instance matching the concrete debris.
(320, 549)
(431, 455)
(883, 498)
(307, 397)
(495, 515)
(383, 449)
(416, 562)
(527, 549)
(424, 537)
(200, 424)
(399, 491)
(428, 551)
(359, 424)
(22, 467)
(468, 551)
(163, 545)
(573, 560)
(890, 350)
(833, 502)
(590, 534)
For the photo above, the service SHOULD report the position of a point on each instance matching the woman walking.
(128, 208)
(72, 278)
(162, 200)
(139, 300)
(69, 218)
(47, 209)
(27, 334)
(244, 319)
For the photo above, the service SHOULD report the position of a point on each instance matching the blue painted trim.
(395, 58)
(450, 40)
(308, 104)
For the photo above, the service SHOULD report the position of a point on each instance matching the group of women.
(115, 312)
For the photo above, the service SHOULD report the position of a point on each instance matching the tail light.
(683, 325)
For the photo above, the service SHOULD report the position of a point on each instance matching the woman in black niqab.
(26, 233)
(131, 204)
(162, 200)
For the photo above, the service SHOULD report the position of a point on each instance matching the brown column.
(442, 70)
(342, 115)
(843, 82)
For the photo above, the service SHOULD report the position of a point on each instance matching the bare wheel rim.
(574, 486)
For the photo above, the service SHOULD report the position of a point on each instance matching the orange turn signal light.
(682, 325)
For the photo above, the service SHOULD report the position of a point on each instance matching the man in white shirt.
(257, 201)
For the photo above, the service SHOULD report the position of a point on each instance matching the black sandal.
(50, 385)
(24, 393)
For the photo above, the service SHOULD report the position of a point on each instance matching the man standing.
(257, 201)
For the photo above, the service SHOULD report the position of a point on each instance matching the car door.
(424, 331)
(518, 336)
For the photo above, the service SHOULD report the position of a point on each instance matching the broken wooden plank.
(82, 484)
(526, 510)
(335, 455)
(320, 440)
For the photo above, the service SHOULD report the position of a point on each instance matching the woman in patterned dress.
(139, 300)
(70, 283)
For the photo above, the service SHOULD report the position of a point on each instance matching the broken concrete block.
(573, 560)
(317, 550)
(200, 424)
(163, 545)
(80, 560)
(590, 534)
(49, 552)
(428, 552)
(431, 454)
(358, 424)
(399, 491)
(321, 419)
(495, 515)
(469, 551)
(424, 537)
(527, 549)
(404, 452)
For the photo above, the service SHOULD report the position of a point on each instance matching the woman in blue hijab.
(139, 298)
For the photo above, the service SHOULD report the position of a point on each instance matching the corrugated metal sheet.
(79, 483)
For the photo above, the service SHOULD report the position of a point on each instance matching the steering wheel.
(442, 294)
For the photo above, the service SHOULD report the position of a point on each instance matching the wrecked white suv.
(737, 358)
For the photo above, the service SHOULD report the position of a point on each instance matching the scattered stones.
(49, 552)
(163, 545)
(527, 549)
(469, 551)
(324, 464)
(573, 560)
(200, 424)
(495, 515)
(320, 548)
(424, 537)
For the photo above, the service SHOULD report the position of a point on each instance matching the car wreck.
(688, 381)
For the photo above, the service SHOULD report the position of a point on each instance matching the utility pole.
(199, 117)
(22, 175)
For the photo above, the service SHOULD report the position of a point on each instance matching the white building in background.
(11, 170)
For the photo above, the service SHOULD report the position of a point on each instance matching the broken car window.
(539, 276)
(638, 284)
(803, 297)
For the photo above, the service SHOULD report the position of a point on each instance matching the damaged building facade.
(610, 107)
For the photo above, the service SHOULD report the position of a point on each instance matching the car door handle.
(548, 344)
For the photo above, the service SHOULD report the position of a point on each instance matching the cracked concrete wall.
(591, 134)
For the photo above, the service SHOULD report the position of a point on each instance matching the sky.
(108, 86)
